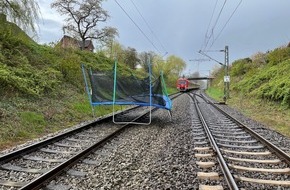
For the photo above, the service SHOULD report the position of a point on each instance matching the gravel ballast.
(156, 156)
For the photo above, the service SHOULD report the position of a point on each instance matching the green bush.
(278, 55)
(265, 76)
(240, 67)
(27, 80)
(271, 82)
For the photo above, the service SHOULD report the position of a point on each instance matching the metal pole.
(226, 77)
(227, 72)
(225, 88)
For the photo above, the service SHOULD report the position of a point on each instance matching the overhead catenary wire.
(211, 37)
(148, 26)
(137, 26)
(207, 30)
(227, 22)
(215, 24)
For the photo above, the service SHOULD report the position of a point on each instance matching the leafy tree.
(145, 57)
(171, 67)
(131, 57)
(174, 65)
(116, 51)
(83, 18)
(24, 13)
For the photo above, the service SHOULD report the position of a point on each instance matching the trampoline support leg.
(93, 111)
(170, 114)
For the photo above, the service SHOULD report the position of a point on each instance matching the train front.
(182, 84)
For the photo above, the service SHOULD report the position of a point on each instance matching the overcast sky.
(183, 27)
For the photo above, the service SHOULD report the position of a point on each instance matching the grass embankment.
(216, 94)
(260, 88)
(268, 113)
(27, 118)
(42, 87)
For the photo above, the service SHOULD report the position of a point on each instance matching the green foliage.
(23, 13)
(32, 118)
(96, 60)
(83, 107)
(240, 67)
(171, 90)
(32, 123)
(171, 68)
(42, 87)
(271, 83)
(218, 73)
(27, 80)
(131, 57)
(69, 66)
(269, 80)
(30, 69)
(18, 59)
(278, 55)
(215, 93)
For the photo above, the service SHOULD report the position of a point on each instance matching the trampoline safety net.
(107, 88)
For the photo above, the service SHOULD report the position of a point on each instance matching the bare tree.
(83, 18)
(24, 13)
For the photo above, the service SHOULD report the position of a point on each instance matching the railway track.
(181, 154)
(245, 159)
(34, 166)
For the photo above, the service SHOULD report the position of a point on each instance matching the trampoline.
(111, 88)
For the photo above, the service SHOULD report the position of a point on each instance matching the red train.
(184, 85)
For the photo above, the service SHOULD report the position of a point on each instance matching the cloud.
(50, 31)
(181, 26)
(50, 24)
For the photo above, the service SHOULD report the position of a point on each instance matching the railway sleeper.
(210, 187)
(274, 161)
(262, 181)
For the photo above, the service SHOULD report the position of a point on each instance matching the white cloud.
(50, 23)
(181, 25)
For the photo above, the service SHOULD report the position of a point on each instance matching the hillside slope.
(260, 87)
(42, 88)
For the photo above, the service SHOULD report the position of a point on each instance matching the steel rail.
(225, 169)
(39, 182)
(46, 177)
(280, 153)
(28, 149)
(33, 147)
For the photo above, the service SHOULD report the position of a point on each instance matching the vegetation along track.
(247, 160)
(32, 167)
